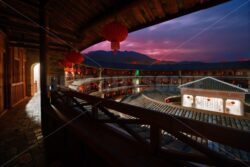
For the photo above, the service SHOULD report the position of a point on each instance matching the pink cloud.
(157, 50)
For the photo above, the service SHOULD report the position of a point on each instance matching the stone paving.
(20, 136)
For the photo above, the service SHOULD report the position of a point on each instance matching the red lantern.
(81, 88)
(65, 63)
(115, 33)
(74, 57)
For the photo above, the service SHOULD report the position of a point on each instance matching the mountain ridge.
(129, 57)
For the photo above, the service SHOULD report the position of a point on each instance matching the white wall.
(187, 100)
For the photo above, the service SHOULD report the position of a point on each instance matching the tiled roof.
(211, 83)
(199, 115)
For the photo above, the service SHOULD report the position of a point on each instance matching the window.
(187, 100)
(233, 107)
(209, 103)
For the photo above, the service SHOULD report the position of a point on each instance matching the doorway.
(35, 79)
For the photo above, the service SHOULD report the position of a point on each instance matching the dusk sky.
(220, 33)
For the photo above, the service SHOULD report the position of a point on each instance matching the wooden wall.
(2, 51)
(17, 73)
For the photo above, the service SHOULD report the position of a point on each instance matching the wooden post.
(43, 62)
(179, 77)
(155, 139)
(100, 83)
(7, 75)
(2, 50)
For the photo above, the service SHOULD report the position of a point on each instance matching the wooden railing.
(174, 125)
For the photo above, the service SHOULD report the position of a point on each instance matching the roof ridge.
(198, 80)
(214, 79)
(245, 90)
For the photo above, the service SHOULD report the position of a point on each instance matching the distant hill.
(128, 57)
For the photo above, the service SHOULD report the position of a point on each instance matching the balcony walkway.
(21, 137)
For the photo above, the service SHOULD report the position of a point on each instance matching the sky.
(220, 33)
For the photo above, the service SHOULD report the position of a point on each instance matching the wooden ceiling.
(78, 23)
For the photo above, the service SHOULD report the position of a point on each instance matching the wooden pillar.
(7, 75)
(194, 101)
(180, 77)
(2, 50)
(43, 62)
(248, 80)
(100, 80)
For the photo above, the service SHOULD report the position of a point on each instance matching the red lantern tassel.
(115, 46)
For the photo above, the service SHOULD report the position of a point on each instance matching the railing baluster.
(95, 112)
(155, 139)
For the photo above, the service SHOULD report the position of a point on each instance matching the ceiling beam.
(14, 27)
(37, 46)
(112, 12)
(35, 43)
(8, 17)
(29, 3)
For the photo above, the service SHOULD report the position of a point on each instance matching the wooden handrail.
(176, 126)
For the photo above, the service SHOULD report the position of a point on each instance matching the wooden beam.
(34, 4)
(110, 13)
(15, 18)
(33, 30)
(36, 45)
(31, 3)
(15, 22)
(124, 121)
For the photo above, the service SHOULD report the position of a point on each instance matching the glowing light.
(211, 104)
(137, 72)
(234, 107)
(187, 100)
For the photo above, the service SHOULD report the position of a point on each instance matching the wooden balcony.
(137, 137)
